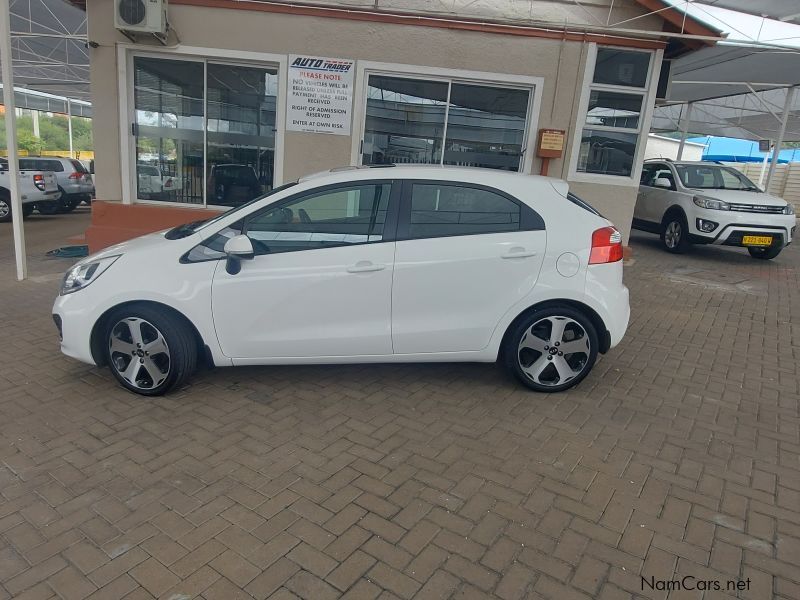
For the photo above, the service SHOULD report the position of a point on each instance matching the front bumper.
(74, 323)
(733, 226)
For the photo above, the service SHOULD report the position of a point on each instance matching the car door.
(653, 201)
(320, 282)
(465, 254)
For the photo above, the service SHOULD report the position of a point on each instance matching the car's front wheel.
(675, 233)
(765, 253)
(149, 351)
(5, 208)
(551, 349)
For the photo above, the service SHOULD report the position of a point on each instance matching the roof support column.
(787, 110)
(69, 127)
(11, 140)
(685, 128)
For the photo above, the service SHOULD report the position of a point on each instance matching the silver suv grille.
(757, 208)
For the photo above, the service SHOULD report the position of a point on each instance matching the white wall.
(662, 147)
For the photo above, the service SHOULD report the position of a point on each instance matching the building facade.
(246, 96)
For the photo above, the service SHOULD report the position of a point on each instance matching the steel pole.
(69, 127)
(6, 68)
(787, 110)
(685, 129)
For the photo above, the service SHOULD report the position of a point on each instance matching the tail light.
(168, 183)
(75, 175)
(606, 246)
(38, 181)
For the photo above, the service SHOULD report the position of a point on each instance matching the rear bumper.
(610, 298)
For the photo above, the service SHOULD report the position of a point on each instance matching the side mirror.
(662, 182)
(238, 248)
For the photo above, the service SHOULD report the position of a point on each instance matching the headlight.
(788, 209)
(712, 203)
(81, 275)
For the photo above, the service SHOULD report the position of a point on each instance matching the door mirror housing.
(238, 248)
(662, 182)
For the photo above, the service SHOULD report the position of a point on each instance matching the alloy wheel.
(672, 234)
(139, 353)
(5, 208)
(554, 350)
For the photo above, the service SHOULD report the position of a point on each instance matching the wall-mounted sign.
(320, 94)
(551, 143)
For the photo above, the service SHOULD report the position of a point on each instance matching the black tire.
(675, 233)
(5, 208)
(180, 344)
(67, 203)
(27, 209)
(530, 327)
(49, 207)
(767, 253)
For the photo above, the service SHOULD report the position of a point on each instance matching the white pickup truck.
(35, 187)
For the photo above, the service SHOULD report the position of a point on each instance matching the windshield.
(714, 177)
(188, 229)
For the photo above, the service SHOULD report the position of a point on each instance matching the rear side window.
(78, 166)
(439, 210)
(27, 164)
(52, 165)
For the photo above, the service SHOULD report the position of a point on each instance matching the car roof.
(473, 175)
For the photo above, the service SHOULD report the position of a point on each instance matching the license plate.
(757, 240)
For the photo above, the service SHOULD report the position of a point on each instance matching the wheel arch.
(675, 209)
(602, 331)
(97, 343)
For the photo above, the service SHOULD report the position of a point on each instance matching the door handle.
(365, 266)
(518, 252)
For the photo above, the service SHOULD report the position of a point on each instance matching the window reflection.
(405, 121)
(486, 127)
(607, 152)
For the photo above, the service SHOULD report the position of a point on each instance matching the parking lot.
(677, 456)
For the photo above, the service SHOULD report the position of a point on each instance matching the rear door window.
(447, 209)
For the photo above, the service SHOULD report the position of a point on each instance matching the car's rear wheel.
(5, 208)
(27, 209)
(551, 349)
(67, 203)
(675, 233)
(149, 351)
(765, 253)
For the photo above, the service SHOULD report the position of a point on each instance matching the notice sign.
(551, 143)
(320, 95)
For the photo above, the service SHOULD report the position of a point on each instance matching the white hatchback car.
(709, 203)
(360, 265)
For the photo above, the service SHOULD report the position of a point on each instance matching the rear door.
(465, 254)
(653, 201)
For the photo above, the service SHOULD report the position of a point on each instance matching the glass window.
(613, 116)
(445, 210)
(486, 126)
(607, 152)
(655, 171)
(172, 117)
(713, 177)
(614, 109)
(407, 121)
(344, 215)
(168, 100)
(621, 67)
(241, 132)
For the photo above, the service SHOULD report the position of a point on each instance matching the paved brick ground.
(677, 456)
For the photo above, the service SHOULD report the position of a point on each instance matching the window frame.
(389, 226)
(533, 85)
(204, 55)
(648, 93)
(529, 219)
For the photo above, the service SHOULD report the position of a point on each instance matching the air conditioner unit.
(141, 16)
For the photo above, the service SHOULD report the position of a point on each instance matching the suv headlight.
(712, 203)
(788, 209)
(81, 275)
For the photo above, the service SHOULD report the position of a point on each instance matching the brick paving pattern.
(677, 456)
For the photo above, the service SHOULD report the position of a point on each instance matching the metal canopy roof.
(781, 10)
(736, 91)
(48, 47)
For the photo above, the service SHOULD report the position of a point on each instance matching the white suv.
(709, 203)
(361, 265)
